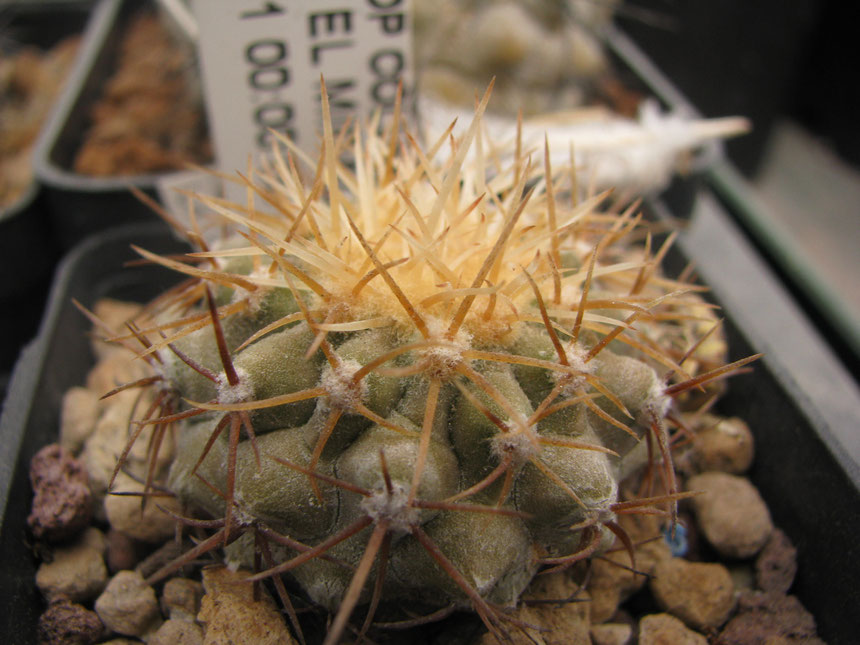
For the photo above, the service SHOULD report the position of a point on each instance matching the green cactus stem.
(421, 369)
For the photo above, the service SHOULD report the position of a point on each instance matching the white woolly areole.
(658, 401)
(239, 393)
(253, 298)
(240, 516)
(442, 359)
(159, 369)
(519, 444)
(338, 382)
(393, 507)
(605, 514)
(576, 355)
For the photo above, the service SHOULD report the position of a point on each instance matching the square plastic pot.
(27, 251)
(58, 358)
(81, 205)
(806, 465)
(78, 204)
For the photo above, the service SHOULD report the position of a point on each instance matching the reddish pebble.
(731, 513)
(776, 565)
(122, 552)
(62, 502)
(67, 623)
(769, 617)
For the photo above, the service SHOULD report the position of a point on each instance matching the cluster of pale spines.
(425, 370)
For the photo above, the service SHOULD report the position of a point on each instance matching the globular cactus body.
(420, 371)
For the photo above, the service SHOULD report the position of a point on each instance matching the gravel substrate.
(723, 576)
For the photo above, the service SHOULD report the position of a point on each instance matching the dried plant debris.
(149, 117)
(401, 387)
(30, 81)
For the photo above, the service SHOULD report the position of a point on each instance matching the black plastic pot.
(25, 239)
(803, 407)
(81, 205)
(28, 252)
(807, 459)
(637, 71)
(27, 258)
(58, 358)
(726, 62)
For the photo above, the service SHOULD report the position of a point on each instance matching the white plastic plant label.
(262, 62)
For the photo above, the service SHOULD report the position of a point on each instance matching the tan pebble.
(554, 586)
(95, 539)
(610, 583)
(724, 445)
(108, 441)
(606, 597)
(115, 369)
(77, 572)
(566, 624)
(180, 598)
(114, 313)
(699, 593)
(229, 613)
(663, 629)
(611, 634)
(128, 605)
(78, 416)
(177, 632)
(124, 513)
(99, 457)
(731, 514)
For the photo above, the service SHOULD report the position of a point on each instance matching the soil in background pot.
(30, 80)
(149, 117)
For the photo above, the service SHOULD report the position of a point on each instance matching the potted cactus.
(399, 387)
(437, 378)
